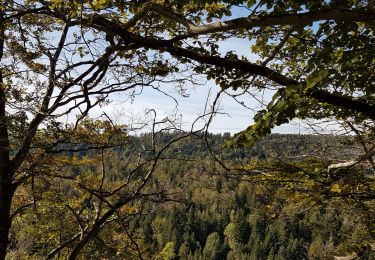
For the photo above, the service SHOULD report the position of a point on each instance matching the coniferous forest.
(192, 209)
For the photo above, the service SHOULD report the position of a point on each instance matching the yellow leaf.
(335, 188)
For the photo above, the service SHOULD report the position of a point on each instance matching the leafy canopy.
(317, 58)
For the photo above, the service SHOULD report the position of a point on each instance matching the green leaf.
(313, 79)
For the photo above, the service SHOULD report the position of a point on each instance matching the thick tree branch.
(105, 25)
(343, 102)
(268, 20)
(20, 13)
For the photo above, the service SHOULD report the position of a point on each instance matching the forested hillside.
(192, 209)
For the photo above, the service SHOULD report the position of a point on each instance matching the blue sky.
(235, 119)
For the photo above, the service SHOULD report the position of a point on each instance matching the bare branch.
(352, 163)
(53, 252)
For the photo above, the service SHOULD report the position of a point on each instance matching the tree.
(212, 249)
(62, 58)
(168, 252)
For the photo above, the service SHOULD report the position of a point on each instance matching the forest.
(194, 210)
(94, 164)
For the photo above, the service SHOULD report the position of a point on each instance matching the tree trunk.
(6, 193)
(6, 188)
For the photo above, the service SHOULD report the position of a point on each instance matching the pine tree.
(212, 249)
